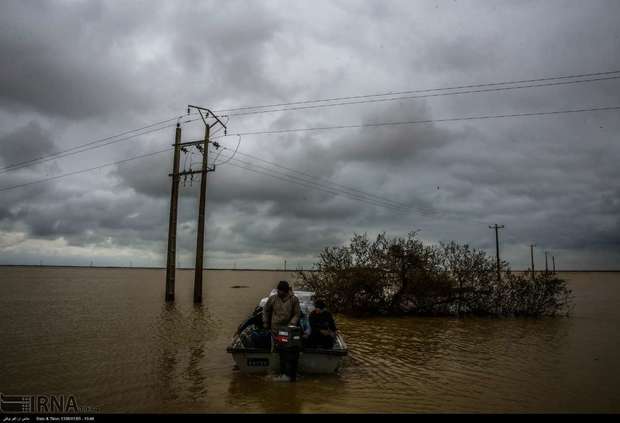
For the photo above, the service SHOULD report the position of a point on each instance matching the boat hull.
(311, 360)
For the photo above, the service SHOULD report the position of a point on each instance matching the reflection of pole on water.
(194, 369)
(168, 348)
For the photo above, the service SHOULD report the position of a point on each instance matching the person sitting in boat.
(322, 327)
(253, 333)
(283, 310)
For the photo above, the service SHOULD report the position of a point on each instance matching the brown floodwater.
(106, 337)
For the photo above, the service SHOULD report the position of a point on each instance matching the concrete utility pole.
(553, 261)
(532, 257)
(172, 224)
(497, 227)
(200, 237)
(204, 115)
(546, 264)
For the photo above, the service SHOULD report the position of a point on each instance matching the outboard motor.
(288, 337)
(288, 342)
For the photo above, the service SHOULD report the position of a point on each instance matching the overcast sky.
(74, 72)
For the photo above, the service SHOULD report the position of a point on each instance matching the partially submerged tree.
(402, 275)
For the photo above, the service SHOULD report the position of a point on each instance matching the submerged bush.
(404, 276)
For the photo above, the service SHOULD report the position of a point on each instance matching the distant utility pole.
(203, 147)
(546, 263)
(497, 227)
(285, 265)
(532, 257)
(553, 261)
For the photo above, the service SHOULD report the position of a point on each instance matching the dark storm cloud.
(82, 59)
(78, 69)
(285, 236)
(392, 145)
(59, 62)
(94, 213)
(25, 143)
(231, 49)
(141, 176)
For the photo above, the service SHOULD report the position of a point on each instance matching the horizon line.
(252, 269)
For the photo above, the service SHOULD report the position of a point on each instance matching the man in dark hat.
(283, 310)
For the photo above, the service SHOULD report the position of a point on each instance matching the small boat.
(311, 360)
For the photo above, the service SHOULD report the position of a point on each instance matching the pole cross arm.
(194, 172)
(198, 142)
(200, 109)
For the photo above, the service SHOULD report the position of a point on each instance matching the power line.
(22, 164)
(326, 187)
(415, 122)
(82, 148)
(489, 84)
(73, 151)
(413, 97)
(335, 190)
(84, 170)
(307, 184)
(574, 76)
(354, 190)
(398, 210)
(229, 158)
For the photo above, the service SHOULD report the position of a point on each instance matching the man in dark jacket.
(282, 309)
(322, 327)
